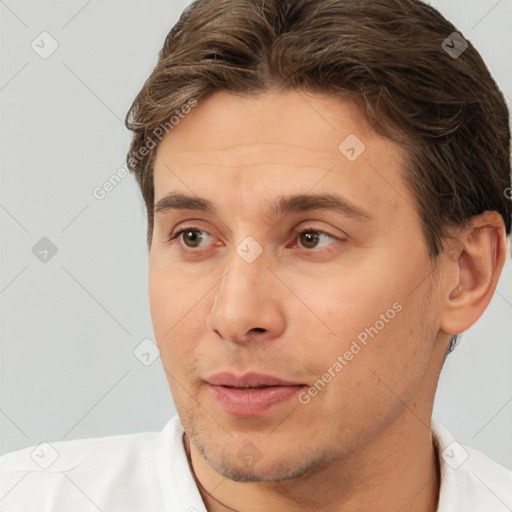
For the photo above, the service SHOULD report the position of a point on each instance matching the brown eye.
(314, 239)
(309, 239)
(192, 237)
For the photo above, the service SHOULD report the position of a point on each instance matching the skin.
(364, 441)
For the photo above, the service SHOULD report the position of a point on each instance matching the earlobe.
(472, 270)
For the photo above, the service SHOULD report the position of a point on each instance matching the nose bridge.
(245, 274)
(243, 300)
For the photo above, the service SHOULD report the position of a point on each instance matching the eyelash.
(176, 234)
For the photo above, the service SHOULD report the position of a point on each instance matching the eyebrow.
(284, 204)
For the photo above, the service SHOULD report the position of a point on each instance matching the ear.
(471, 271)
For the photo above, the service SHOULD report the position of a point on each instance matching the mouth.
(247, 388)
(251, 394)
(249, 380)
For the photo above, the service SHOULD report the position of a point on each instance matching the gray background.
(69, 325)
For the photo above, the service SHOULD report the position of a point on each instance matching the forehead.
(296, 121)
(230, 146)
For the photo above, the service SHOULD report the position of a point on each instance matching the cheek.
(173, 294)
(393, 353)
(376, 380)
(172, 317)
(380, 318)
(345, 305)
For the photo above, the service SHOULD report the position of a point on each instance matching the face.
(322, 302)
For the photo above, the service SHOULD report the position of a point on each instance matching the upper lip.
(248, 380)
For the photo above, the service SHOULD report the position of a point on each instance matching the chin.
(276, 470)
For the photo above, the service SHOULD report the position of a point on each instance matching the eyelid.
(176, 232)
(310, 226)
(314, 229)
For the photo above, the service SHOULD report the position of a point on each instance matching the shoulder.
(470, 480)
(96, 470)
(66, 455)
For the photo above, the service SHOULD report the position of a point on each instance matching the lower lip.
(252, 403)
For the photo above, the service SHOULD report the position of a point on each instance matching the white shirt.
(149, 472)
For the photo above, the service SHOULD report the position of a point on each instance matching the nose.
(247, 304)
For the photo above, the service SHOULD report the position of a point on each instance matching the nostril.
(258, 329)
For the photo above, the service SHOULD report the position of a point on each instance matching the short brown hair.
(387, 55)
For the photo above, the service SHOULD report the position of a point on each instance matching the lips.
(252, 394)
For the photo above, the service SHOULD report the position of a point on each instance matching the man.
(326, 185)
